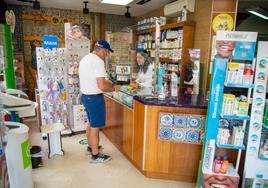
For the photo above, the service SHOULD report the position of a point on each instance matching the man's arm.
(105, 85)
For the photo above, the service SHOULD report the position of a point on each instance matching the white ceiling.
(96, 6)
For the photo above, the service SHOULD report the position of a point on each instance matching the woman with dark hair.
(145, 69)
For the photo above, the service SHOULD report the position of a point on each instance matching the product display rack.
(227, 119)
(175, 49)
(75, 51)
(52, 82)
(256, 160)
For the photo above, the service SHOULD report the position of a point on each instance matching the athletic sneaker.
(89, 149)
(100, 158)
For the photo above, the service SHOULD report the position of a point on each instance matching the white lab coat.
(146, 80)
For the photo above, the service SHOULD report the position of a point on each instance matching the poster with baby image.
(78, 32)
(236, 45)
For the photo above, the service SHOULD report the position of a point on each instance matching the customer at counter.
(92, 85)
(145, 69)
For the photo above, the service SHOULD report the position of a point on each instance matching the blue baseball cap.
(104, 44)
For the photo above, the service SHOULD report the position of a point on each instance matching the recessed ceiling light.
(116, 2)
(260, 12)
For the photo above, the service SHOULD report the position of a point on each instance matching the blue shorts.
(95, 109)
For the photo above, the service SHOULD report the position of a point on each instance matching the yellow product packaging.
(243, 108)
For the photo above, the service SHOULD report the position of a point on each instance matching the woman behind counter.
(145, 69)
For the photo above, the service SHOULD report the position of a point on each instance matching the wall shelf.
(167, 60)
(231, 172)
(235, 117)
(38, 38)
(164, 48)
(36, 17)
(229, 146)
(48, 18)
(167, 26)
(239, 85)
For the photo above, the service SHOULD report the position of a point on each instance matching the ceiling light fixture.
(116, 2)
(258, 11)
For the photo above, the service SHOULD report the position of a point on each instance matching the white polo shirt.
(91, 67)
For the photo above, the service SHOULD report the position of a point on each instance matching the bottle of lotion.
(225, 164)
(217, 164)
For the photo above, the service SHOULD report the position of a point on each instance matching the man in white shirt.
(92, 86)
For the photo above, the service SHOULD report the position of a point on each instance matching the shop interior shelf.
(39, 38)
(239, 85)
(168, 60)
(231, 146)
(231, 172)
(235, 117)
(167, 26)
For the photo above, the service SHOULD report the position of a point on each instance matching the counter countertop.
(183, 100)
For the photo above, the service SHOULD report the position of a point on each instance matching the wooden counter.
(135, 133)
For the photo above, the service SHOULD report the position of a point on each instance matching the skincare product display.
(238, 136)
(239, 73)
(223, 136)
(234, 106)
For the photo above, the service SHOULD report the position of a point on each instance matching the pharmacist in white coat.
(145, 69)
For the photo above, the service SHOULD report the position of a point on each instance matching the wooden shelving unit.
(167, 26)
(187, 43)
(38, 38)
(46, 18)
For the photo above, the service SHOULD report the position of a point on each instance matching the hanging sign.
(223, 22)
(50, 42)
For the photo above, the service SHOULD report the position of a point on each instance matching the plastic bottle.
(225, 165)
(217, 164)
(258, 181)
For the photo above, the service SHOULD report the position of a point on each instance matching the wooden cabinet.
(119, 126)
(135, 133)
(183, 41)
(168, 159)
(138, 139)
(128, 132)
(114, 122)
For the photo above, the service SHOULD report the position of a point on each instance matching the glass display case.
(126, 93)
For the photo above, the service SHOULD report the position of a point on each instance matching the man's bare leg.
(87, 134)
(94, 140)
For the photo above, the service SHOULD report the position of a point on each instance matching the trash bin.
(18, 156)
(36, 156)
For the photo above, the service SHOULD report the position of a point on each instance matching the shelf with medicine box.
(239, 85)
(231, 146)
(229, 112)
(235, 117)
(175, 40)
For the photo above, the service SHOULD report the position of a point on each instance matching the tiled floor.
(73, 170)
